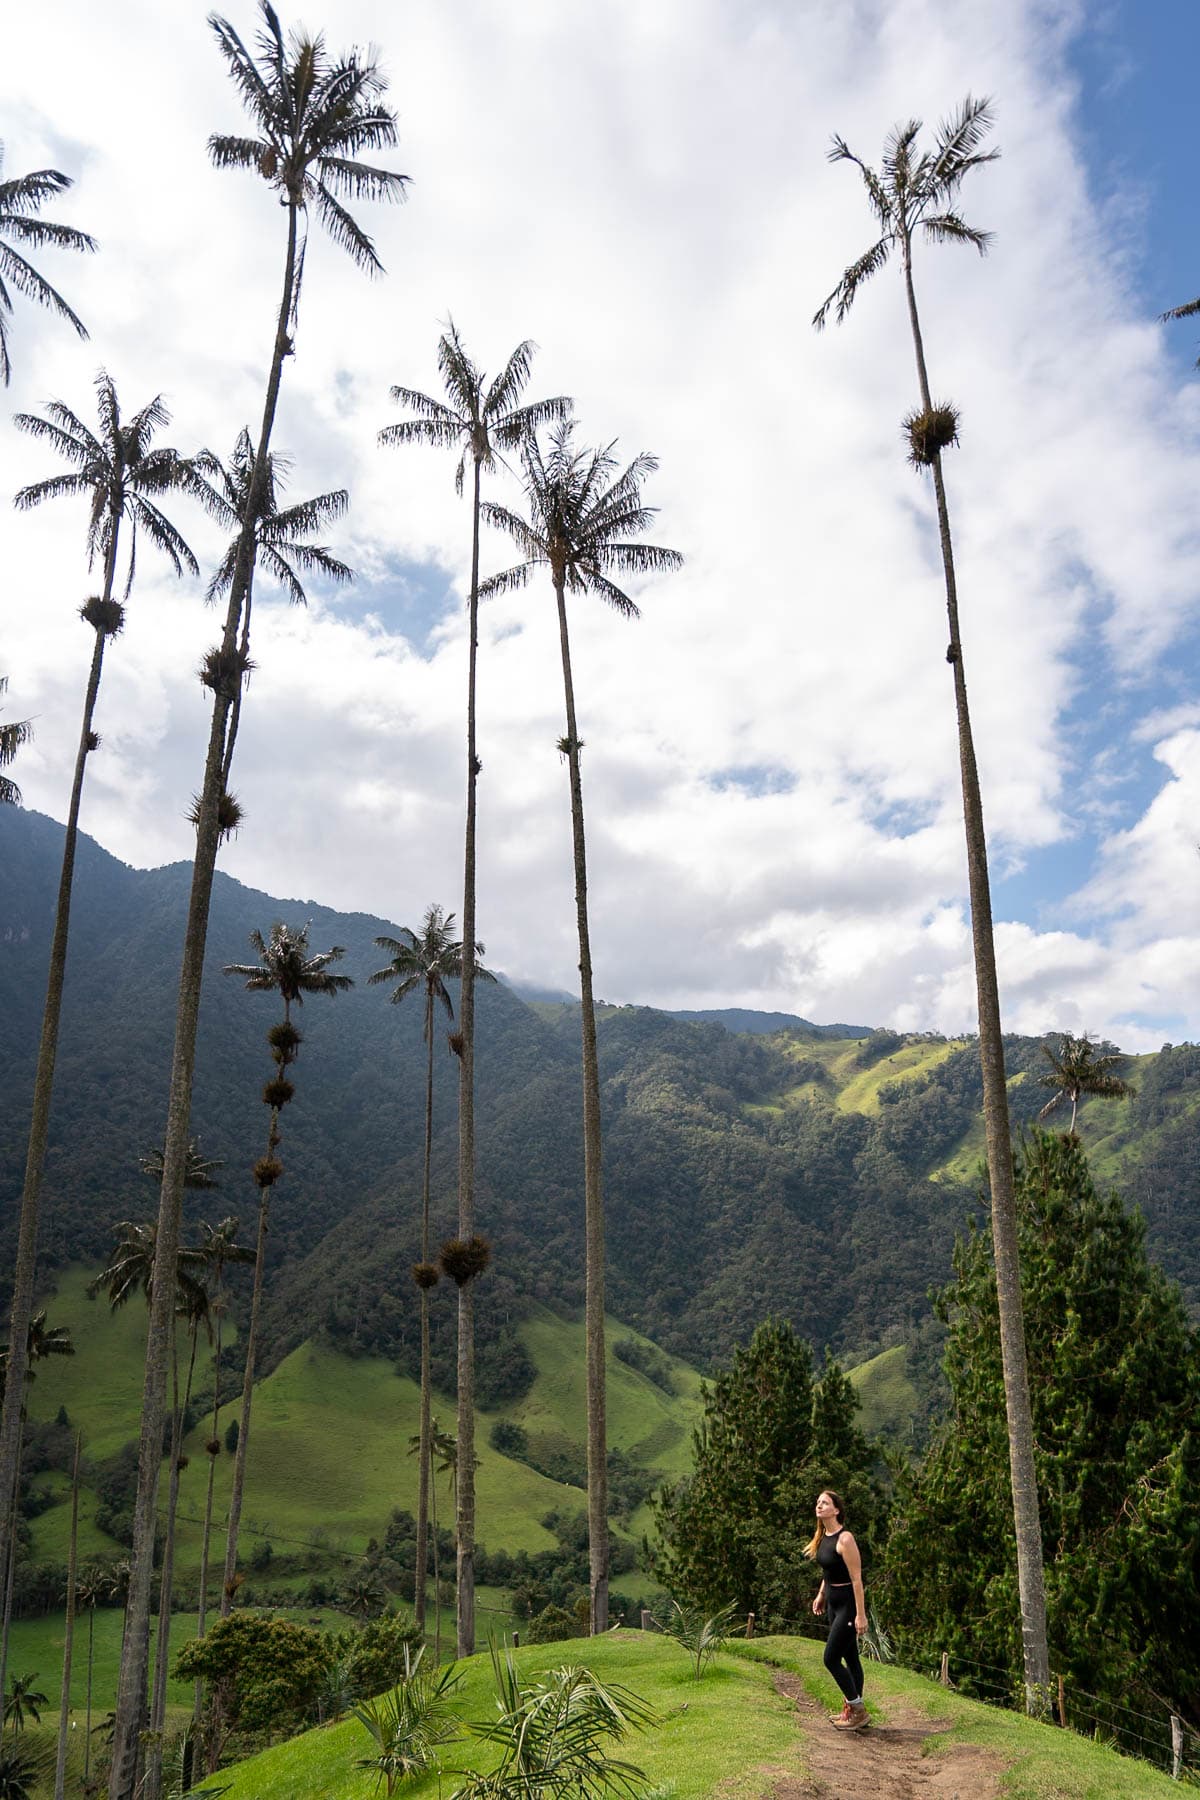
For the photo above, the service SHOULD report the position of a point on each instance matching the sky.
(770, 773)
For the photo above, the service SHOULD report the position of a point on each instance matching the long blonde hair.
(819, 1533)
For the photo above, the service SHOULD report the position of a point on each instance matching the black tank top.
(830, 1559)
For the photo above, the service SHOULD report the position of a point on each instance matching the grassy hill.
(734, 1734)
(304, 1490)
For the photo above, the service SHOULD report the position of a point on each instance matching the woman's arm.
(818, 1604)
(853, 1561)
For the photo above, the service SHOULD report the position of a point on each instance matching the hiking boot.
(842, 1718)
(855, 1718)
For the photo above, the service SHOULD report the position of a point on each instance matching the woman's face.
(826, 1510)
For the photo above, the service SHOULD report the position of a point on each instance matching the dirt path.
(884, 1762)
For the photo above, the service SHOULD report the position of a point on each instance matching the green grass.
(729, 1734)
(889, 1400)
(913, 1059)
(304, 1493)
(690, 1754)
(38, 1644)
(1042, 1762)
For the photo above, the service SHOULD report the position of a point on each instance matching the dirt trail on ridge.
(884, 1762)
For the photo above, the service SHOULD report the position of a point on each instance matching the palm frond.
(25, 278)
(1188, 310)
(949, 228)
(227, 152)
(855, 277)
(958, 140)
(162, 535)
(55, 487)
(359, 181)
(346, 232)
(509, 581)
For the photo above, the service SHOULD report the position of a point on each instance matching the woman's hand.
(860, 1624)
(818, 1605)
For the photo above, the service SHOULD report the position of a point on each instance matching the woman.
(840, 1598)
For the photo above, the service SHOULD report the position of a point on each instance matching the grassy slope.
(729, 1734)
(302, 1488)
(843, 1083)
(887, 1395)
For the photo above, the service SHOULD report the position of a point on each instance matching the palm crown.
(286, 967)
(117, 469)
(21, 199)
(481, 420)
(427, 959)
(315, 117)
(580, 521)
(911, 190)
(224, 491)
(1079, 1067)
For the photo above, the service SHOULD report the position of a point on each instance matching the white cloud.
(644, 191)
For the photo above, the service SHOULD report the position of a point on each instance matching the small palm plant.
(700, 1635)
(554, 1734)
(410, 1724)
(23, 1702)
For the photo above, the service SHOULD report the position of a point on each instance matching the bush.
(552, 1625)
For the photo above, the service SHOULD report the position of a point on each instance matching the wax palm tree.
(221, 1249)
(23, 1701)
(313, 116)
(428, 960)
(13, 733)
(122, 475)
(281, 533)
(89, 1588)
(1188, 310)
(480, 420)
(915, 193)
(285, 967)
(131, 1271)
(21, 200)
(1079, 1067)
(584, 520)
(64, 1706)
(42, 1341)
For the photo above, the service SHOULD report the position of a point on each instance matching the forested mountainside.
(816, 1177)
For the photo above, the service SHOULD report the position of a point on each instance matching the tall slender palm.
(89, 1587)
(64, 1705)
(480, 420)
(121, 475)
(21, 200)
(13, 733)
(131, 1271)
(285, 967)
(915, 193)
(41, 1341)
(1079, 1067)
(583, 518)
(281, 545)
(313, 116)
(428, 959)
(221, 1249)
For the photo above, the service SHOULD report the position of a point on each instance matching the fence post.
(749, 1625)
(647, 1619)
(1176, 1746)
(516, 1640)
(1062, 1704)
(944, 1676)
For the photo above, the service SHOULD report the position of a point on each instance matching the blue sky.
(770, 775)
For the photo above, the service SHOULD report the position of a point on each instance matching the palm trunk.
(464, 1509)
(162, 1652)
(1026, 1519)
(131, 1691)
(64, 1709)
(597, 1447)
(202, 1605)
(423, 1448)
(87, 1715)
(9, 1567)
(437, 1574)
(25, 1270)
(229, 1580)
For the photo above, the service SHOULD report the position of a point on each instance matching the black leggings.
(841, 1650)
